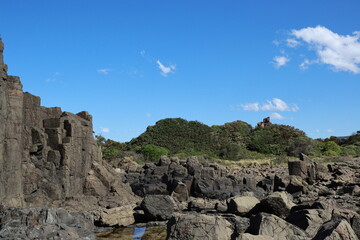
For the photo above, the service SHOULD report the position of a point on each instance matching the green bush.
(177, 135)
(152, 152)
(110, 148)
(329, 148)
(279, 139)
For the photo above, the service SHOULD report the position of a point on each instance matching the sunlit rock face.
(48, 156)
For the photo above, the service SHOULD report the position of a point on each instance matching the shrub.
(153, 153)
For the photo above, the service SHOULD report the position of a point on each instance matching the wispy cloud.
(251, 107)
(276, 104)
(276, 115)
(53, 78)
(341, 52)
(104, 71)
(136, 73)
(148, 115)
(280, 61)
(142, 53)
(105, 129)
(329, 130)
(290, 42)
(165, 70)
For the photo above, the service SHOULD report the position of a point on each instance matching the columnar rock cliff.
(48, 156)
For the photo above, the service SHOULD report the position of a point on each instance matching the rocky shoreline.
(54, 184)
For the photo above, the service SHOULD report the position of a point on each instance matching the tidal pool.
(134, 233)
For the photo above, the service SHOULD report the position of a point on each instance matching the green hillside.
(232, 141)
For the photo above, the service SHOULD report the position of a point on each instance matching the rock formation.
(265, 123)
(49, 157)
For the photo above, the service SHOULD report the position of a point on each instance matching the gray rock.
(241, 205)
(278, 203)
(198, 227)
(49, 156)
(310, 220)
(158, 207)
(273, 226)
(44, 223)
(336, 230)
(248, 236)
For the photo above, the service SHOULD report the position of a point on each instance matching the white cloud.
(341, 52)
(276, 104)
(280, 61)
(306, 63)
(292, 42)
(105, 130)
(165, 70)
(330, 130)
(104, 71)
(142, 53)
(276, 115)
(276, 42)
(148, 115)
(251, 107)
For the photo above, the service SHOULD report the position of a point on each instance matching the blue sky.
(131, 63)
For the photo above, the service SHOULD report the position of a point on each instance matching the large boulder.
(44, 223)
(248, 236)
(158, 207)
(336, 229)
(310, 220)
(180, 192)
(273, 226)
(118, 216)
(198, 227)
(278, 203)
(241, 205)
(304, 168)
(355, 224)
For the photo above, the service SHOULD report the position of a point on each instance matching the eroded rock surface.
(45, 223)
(49, 157)
(199, 227)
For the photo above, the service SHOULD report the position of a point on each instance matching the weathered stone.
(248, 236)
(273, 226)
(44, 223)
(198, 227)
(278, 203)
(241, 205)
(355, 224)
(46, 155)
(336, 230)
(310, 220)
(304, 168)
(119, 216)
(158, 207)
(180, 192)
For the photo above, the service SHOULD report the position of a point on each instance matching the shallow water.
(134, 233)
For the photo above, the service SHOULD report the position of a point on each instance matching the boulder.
(202, 204)
(248, 236)
(158, 207)
(45, 223)
(355, 224)
(278, 203)
(241, 205)
(180, 192)
(304, 168)
(273, 226)
(118, 216)
(336, 229)
(310, 220)
(198, 227)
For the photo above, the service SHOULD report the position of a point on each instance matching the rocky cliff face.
(48, 157)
